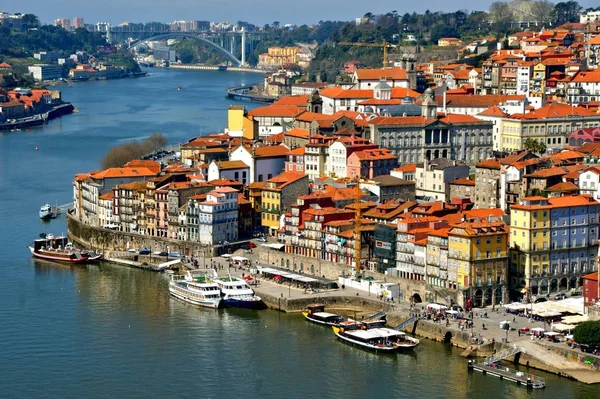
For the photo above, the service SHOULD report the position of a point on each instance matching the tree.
(186, 56)
(501, 16)
(120, 155)
(535, 146)
(565, 12)
(542, 11)
(588, 333)
(30, 21)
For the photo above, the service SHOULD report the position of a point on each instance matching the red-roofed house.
(366, 79)
(584, 87)
(369, 163)
(264, 162)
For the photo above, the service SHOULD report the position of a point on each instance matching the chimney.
(444, 102)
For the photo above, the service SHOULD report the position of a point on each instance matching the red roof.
(395, 73)
(123, 172)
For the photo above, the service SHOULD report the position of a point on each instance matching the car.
(261, 239)
(560, 296)
(163, 253)
(144, 251)
(251, 244)
(540, 299)
(245, 246)
(576, 293)
(457, 308)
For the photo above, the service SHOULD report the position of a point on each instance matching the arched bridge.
(199, 37)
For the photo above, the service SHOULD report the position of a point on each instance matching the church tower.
(429, 106)
(315, 103)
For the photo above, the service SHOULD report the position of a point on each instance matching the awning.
(226, 256)
(274, 246)
(239, 258)
(574, 319)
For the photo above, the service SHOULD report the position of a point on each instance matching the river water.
(110, 331)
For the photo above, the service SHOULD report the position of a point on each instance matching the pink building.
(162, 217)
(370, 163)
(295, 161)
(585, 135)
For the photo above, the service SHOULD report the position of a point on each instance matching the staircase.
(503, 355)
(405, 324)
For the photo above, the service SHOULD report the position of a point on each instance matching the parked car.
(261, 239)
(559, 296)
(540, 299)
(163, 253)
(576, 293)
(144, 251)
(251, 244)
(457, 308)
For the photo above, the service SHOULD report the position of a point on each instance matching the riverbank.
(38, 119)
(221, 68)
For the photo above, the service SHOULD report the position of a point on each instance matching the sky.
(258, 12)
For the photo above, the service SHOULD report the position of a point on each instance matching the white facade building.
(589, 182)
(215, 220)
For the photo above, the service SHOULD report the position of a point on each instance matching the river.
(109, 331)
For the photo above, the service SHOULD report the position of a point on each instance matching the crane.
(357, 228)
(385, 45)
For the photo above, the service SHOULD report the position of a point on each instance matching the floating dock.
(505, 373)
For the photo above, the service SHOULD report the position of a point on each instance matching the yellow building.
(280, 56)
(477, 251)
(278, 195)
(550, 125)
(537, 82)
(530, 238)
(240, 124)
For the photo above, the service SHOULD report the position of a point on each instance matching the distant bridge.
(229, 44)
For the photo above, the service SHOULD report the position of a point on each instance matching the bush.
(120, 155)
(588, 333)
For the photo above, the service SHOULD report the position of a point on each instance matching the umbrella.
(248, 278)
(278, 277)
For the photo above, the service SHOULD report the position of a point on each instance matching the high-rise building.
(78, 23)
(64, 23)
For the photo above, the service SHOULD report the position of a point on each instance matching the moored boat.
(60, 249)
(236, 293)
(196, 290)
(381, 339)
(316, 313)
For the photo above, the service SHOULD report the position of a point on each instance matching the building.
(276, 57)
(433, 178)
(215, 220)
(317, 155)
(264, 162)
(341, 150)
(589, 182)
(232, 170)
(478, 251)
(78, 23)
(43, 72)
(554, 242)
(487, 183)
(589, 285)
(390, 188)
(365, 79)
(449, 41)
(277, 196)
(462, 188)
(64, 23)
(370, 163)
(584, 87)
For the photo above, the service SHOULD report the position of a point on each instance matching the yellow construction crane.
(357, 228)
(385, 45)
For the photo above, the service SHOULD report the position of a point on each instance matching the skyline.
(258, 12)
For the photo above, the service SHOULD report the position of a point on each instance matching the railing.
(405, 323)
(503, 354)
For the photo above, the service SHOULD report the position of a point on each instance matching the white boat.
(236, 293)
(377, 339)
(197, 290)
(46, 211)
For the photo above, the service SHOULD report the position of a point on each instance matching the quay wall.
(216, 68)
(408, 288)
(102, 240)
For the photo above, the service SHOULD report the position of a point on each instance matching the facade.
(264, 162)
(433, 178)
(215, 220)
(46, 72)
(584, 87)
(553, 243)
(340, 151)
(277, 196)
(232, 170)
(478, 251)
(487, 184)
(589, 182)
(589, 284)
(317, 155)
(371, 163)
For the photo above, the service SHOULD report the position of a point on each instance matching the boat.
(237, 294)
(197, 290)
(46, 212)
(179, 88)
(60, 249)
(379, 339)
(317, 314)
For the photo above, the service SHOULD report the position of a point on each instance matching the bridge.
(232, 45)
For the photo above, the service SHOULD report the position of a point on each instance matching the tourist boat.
(381, 339)
(316, 313)
(237, 294)
(60, 249)
(179, 88)
(46, 212)
(197, 290)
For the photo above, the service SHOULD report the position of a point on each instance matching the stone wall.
(332, 303)
(332, 271)
(101, 239)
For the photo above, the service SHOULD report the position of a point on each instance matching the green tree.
(30, 21)
(501, 16)
(535, 146)
(542, 11)
(588, 333)
(186, 55)
(565, 12)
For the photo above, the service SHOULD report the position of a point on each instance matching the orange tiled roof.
(395, 73)
(587, 77)
(271, 151)
(224, 165)
(494, 110)
(492, 163)
(563, 187)
(123, 172)
(297, 151)
(282, 111)
(410, 167)
(297, 132)
(463, 182)
(292, 100)
(549, 172)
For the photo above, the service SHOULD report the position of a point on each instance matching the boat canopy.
(375, 333)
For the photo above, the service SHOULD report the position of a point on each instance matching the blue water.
(107, 331)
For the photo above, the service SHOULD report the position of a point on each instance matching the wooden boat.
(316, 313)
(60, 249)
(379, 339)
